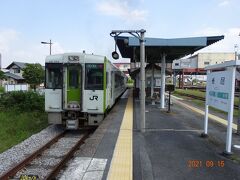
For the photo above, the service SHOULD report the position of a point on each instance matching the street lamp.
(50, 44)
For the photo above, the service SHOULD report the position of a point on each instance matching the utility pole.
(50, 44)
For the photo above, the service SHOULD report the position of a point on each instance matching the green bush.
(1, 89)
(22, 101)
(130, 81)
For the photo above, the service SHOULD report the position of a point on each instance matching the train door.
(74, 88)
(113, 86)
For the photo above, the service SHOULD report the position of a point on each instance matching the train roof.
(82, 58)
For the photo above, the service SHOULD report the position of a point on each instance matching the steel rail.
(66, 158)
(12, 171)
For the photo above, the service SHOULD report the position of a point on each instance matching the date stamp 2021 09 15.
(205, 163)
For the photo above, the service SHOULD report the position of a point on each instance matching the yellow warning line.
(121, 164)
(211, 116)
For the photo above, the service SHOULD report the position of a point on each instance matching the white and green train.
(80, 88)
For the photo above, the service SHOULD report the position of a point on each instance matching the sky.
(77, 25)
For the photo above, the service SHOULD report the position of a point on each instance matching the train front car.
(78, 89)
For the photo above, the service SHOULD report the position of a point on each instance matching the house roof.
(21, 65)
(14, 76)
(176, 48)
(191, 71)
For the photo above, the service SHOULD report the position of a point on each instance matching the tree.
(33, 74)
(2, 76)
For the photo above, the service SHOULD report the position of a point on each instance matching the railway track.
(198, 98)
(47, 161)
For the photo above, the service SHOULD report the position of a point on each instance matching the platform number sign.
(219, 89)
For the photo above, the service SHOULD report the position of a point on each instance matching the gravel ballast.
(20, 151)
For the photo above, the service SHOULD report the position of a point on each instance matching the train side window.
(94, 76)
(119, 80)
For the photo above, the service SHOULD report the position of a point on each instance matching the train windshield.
(53, 76)
(94, 76)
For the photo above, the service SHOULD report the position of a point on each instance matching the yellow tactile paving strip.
(121, 164)
(213, 117)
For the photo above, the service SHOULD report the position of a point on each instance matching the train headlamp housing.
(73, 58)
(73, 105)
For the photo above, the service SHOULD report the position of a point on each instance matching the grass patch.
(21, 115)
(202, 104)
(199, 94)
(17, 126)
(191, 92)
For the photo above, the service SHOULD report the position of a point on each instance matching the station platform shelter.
(153, 79)
(162, 51)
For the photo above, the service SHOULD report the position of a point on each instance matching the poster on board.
(219, 86)
(158, 82)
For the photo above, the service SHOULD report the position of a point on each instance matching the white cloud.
(14, 47)
(36, 53)
(224, 3)
(121, 9)
(231, 37)
(7, 37)
(57, 48)
(209, 31)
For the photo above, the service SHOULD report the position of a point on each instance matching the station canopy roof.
(176, 48)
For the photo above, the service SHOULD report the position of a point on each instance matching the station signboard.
(219, 88)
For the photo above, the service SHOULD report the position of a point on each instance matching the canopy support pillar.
(163, 69)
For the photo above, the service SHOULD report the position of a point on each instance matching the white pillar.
(163, 67)
(230, 112)
(206, 110)
(152, 80)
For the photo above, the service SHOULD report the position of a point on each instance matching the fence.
(16, 87)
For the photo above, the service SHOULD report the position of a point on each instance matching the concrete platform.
(170, 148)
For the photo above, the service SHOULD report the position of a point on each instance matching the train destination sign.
(219, 89)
